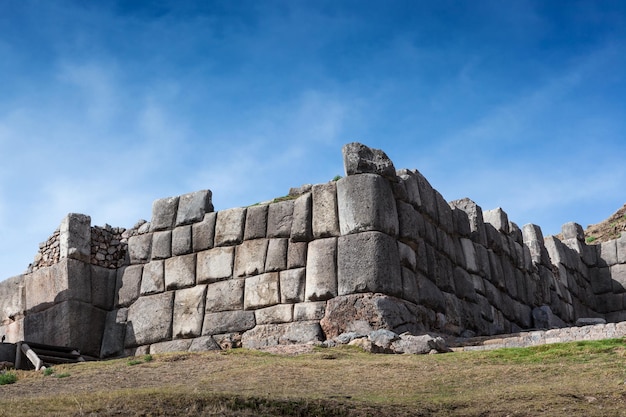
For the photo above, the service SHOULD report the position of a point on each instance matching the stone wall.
(378, 249)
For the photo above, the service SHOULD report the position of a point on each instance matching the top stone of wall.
(170, 212)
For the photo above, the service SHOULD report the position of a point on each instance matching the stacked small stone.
(108, 247)
(49, 253)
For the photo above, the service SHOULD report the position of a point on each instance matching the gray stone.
(75, 237)
(367, 262)
(152, 280)
(256, 222)
(429, 295)
(410, 290)
(475, 218)
(410, 223)
(302, 226)
(533, 239)
(280, 313)
(114, 333)
(469, 254)
(309, 311)
(261, 291)
(407, 256)
(282, 334)
(292, 284)
(498, 219)
(180, 345)
(321, 275)
(203, 343)
(296, 254)
(203, 233)
(164, 213)
(608, 252)
(150, 320)
(180, 272)
(103, 283)
(229, 226)
(139, 248)
(189, 312)
(618, 275)
(227, 322)
(360, 159)
(276, 255)
(181, 240)
(444, 213)
(215, 264)
(573, 231)
(412, 189)
(366, 203)
(193, 206)
(162, 244)
(69, 279)
(325, 218)
(345, 338)
(589, 321)
(250, 257)
(225, 295)
(279, 219)
(427, 195)
(418, 345)
(12, 298)
(128, 284)
(621, 249)
(382, 339)
(464, 285)
(544, 318)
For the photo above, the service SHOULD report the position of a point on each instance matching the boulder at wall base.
(385, 341)
(363, 313)
(282, 334)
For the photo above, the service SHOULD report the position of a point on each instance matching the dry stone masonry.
(375, 254)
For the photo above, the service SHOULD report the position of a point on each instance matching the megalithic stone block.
(229, 226)
(360, 159)
(475, 218)
(366, 203)
(189, 312)
(250, 257)
(533, 239)
(498, 219)
(368, 262)
(164, 213)
(321, 270)
(193, 206)
(325, 221)
(302, 227)
(75, 237)
(150, 320)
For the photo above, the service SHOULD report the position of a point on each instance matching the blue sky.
(106, 106)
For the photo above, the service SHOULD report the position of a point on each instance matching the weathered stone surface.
(589, 321)
(321, 275)
(497, 218)
(279, 219)
(544, 318)
(428, 294)
(162, 244)
(309, 311)
(164, 213)
(103, 282)
(292, 284)
(282, 334)
(608, 252)
(475, 218)
(410, 290)
(128, 284)
(203, 343)
(203, 233)
(407, 256)
(12, 298)
(412, 189)
(533, 239)
(225, 295)
(464, 285)
(469, 255)
(325, 218)
(152, 279)
(70, 279)
(359, 159)
(573, 230)
(410, 223)
(382, 339)
(302, 226)
(114, 333)
(193, 206)
(427, 195)
(618, 275)
(296, 254)
(228, 322)
(139, 248)
(363, 313)
(228, 340)
(180, 272)
(75, 237)
(150, 320)
(250, 257)
(256, 222)
(621, 249)
(261, 291)
(366, 203)
(280, 313)
(189, 312)
(215, 264)
(367, 262)
(418, 345)
(180, 345)
(229, 226)
(276, 255)
(181, 240)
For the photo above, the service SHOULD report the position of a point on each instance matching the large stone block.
(427, 195)
(67, 280)
(321, 270)
(475, 218)
(444, 213)
(302, 226)
(189, 312)
(409, 286)
(325, 219)
(276, 255)
(153, 278)
(533, 239)
(150, 320)
(618, 275)
(114, 333)
(621, 249)
(292, 285)
(203, 233)
(498, 219)
(164, 213)
(229, 226)
(256, 222)
(261, 291)
(360, 159)
(296, 254)
(309, 311)
(250, 257)
(279, 219)
(103, 282)
(368, 262)
(180, 345)
(225, 295)
(410, 223)
(12, 298)
(228, 322)
(429, 295)
(75, 237)
(193, 206)
(607, 253)
(203, 343)
(282, 334)
(162, 244)
(139, 248)
(180, 272)
(410, 185)
(573, 230)
(128, 284)
(366, 203)
(464, 285)
(469, 255)
(407, 256)
(181, 240)
(215, 264)
(280, 313)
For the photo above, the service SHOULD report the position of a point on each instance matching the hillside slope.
(608, 229)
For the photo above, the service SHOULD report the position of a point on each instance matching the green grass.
(590, 239)
(8, 378)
